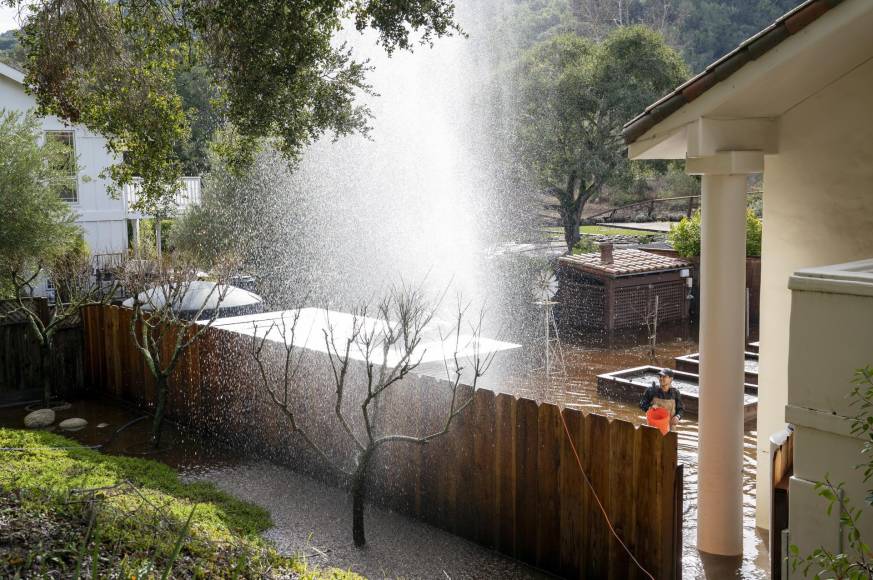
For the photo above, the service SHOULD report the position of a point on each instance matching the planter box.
(630, 384)
(691, 364)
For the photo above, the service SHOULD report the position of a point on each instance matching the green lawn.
(70, 511)
(608, 231)
(603, 231)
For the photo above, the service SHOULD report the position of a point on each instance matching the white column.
(136, 242)
(158, 241)
(722, 342)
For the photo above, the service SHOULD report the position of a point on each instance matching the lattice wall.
(634, 303)
(582, 301)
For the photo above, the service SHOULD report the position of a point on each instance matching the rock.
(74, 424)
(39, 419)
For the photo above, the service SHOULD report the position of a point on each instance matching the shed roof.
(749, 50)
(626, 262)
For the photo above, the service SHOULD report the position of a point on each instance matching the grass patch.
(603, 231)
(63, 510)
(610, 231)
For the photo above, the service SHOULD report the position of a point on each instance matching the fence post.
(678, 490)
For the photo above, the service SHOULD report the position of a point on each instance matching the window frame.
(71, 182)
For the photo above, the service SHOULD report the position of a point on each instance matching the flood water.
(577, 389)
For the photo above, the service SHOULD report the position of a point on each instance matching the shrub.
(685, 236)
(585, 245)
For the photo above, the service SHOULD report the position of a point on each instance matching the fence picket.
(504, 476)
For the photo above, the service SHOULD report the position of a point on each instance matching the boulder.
(39, 419)
(73, 424)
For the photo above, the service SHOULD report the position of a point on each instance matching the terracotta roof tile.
(749, 50)
(625, 262)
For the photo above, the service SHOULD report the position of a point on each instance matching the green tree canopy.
(37, 226)
(702, 30)
(11, 52)
(274, 67)
(574, 98)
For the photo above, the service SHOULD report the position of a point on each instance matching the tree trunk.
(45, 352)
(358, 495)
(161, 383)
(569, 215)
(571, 231)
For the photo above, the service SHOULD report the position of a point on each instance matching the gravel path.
(315, 520)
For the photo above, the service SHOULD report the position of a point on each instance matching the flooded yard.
(274, 487)
(578, 390)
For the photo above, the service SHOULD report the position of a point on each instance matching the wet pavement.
(312, 518)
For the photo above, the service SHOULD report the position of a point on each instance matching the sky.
(8, 18)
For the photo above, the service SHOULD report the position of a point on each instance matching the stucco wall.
(818, 210)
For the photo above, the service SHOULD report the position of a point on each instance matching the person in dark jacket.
(665, 396)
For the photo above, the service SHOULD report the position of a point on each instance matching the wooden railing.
(188, 195)
(505, 476)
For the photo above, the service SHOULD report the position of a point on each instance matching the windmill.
(544, 288)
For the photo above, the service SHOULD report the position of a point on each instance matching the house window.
(50, 290)
(69, 190)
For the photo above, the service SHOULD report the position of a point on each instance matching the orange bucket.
(660, 418)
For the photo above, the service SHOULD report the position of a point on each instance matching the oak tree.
(276, 71)
(574, 96)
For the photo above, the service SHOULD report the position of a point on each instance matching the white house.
(794, 103)
(104, 219)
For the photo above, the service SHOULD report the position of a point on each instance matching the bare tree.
(171, 310)
(366, 359)
(596, 18)
(71, 277)
(651, 318)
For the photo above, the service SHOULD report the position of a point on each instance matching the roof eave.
(11, 73)
(748, 51)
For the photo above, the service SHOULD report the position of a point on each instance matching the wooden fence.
(504, 476)
(21, 367)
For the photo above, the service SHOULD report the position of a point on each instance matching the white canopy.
(209, 296)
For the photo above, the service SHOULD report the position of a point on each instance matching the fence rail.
(505, 475)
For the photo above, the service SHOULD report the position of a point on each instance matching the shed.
(615, 289)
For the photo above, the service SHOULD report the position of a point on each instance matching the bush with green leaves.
(585, 245)
(38, 226)
(685, 236)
